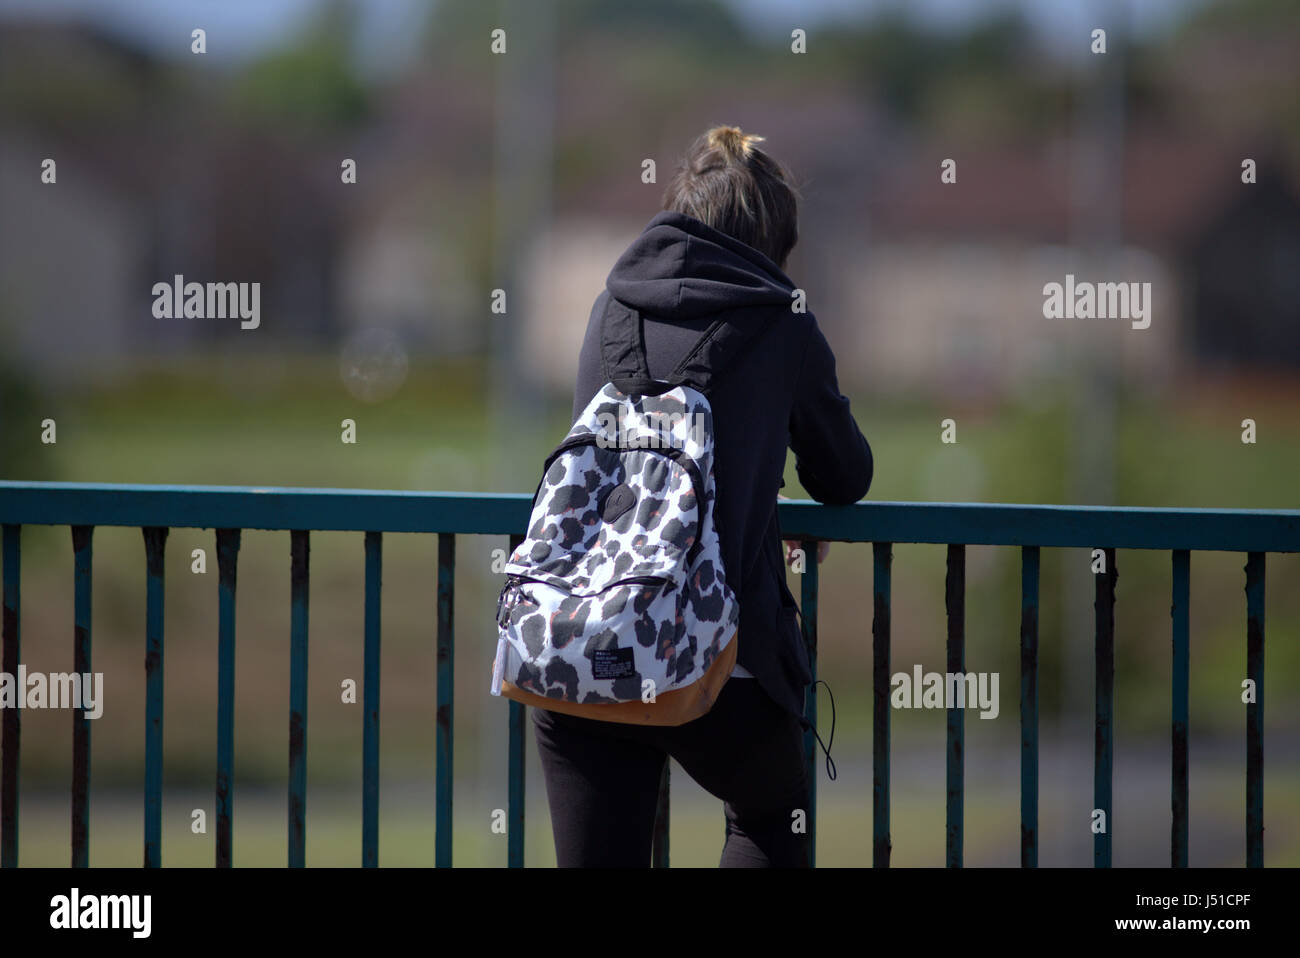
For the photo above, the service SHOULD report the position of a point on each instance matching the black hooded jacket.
(681, 276)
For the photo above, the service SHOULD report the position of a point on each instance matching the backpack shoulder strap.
(623, 358)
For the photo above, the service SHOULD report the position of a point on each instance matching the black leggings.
(602, 781)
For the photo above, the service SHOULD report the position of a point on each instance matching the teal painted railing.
(156, 509)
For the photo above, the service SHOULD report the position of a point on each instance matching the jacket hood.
(682, 268)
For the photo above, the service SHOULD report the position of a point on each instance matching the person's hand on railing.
(791, 545)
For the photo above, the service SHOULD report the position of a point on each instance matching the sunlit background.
(522, 172)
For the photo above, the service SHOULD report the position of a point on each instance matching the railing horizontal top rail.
(975, 523)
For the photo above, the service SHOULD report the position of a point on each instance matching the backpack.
(616, 604)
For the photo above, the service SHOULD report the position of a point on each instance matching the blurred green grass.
(843, 827)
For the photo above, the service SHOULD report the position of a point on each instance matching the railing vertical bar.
(955, 602)
(1179, 611)
(11, 727)
(300, 584)
(808, 614)
(1029, 564)
(81, 562)
(882, 558)
(155, 541)
(227, 564)
(515, 772)
(370, 740)
(515, 788)
(446, 702)
(1104, 745)
(659, 849)
(1255, 710)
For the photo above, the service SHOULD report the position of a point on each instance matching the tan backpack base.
(672, 708)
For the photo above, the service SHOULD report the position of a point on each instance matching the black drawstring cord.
(826, 747)
(830, 765)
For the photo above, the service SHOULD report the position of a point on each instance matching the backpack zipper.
(504, 607)
(505, 604)
(515, 578)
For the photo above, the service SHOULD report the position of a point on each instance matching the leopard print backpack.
(616, 604)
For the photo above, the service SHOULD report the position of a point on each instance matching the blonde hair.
(733, 141)
(727, 182)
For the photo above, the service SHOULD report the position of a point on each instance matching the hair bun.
(725, 181)
(733, 141)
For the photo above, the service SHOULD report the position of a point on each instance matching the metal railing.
(228, 510)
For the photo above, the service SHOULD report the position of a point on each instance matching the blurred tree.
(76, 80)
(685, 20)
(22, 454)
(692, 21)
(915, 70)
(1266, 14)
(1233, 64)
(311, 84)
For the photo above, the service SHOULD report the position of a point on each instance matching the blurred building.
(153, 180)
(919, 284)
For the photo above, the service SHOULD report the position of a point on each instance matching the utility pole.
(1096, 236)
(521, 200)
(523, 161)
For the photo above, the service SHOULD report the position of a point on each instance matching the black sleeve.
(832, 458)
(589, 378)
